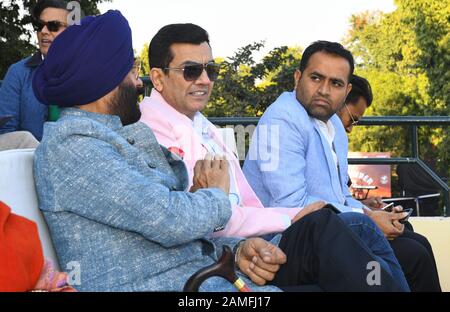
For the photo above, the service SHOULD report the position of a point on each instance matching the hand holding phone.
(389, 207)
(409, 211)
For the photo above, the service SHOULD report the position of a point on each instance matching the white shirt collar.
(327, 129)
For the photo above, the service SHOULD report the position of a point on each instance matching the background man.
(16, 94)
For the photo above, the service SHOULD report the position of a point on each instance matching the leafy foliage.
(247, 87)
(406, 57)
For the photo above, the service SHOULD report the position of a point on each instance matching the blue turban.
(86, 62)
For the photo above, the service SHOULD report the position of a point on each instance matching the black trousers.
(415, 255)
(322, 251)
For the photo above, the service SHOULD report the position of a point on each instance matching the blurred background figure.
(16, 94)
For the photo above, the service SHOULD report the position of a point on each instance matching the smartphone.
(334, 209)
(388, 207)
(409, 211)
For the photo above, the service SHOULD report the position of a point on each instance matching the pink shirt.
(176, 132)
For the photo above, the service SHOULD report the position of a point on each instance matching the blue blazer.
(18, 100)
(290, 163)
(117, 209)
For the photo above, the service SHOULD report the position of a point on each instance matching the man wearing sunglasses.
(355, 105)
(183, 72)
(16, 95)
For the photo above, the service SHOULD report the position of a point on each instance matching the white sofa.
(17, 190)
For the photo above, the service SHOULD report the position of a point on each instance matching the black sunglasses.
(192, 72)
(52, 26)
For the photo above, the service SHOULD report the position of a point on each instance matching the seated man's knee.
(409, 249)
(419, 238)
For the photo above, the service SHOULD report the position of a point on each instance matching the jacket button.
(131, 141)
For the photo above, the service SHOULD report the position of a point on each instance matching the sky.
(232, 24)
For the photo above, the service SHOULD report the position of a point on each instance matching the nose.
(45, 30)
(203, 79)
(324, 88)
(139, 83)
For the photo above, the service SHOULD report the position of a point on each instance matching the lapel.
(332, 169)
(341, 148)
(178, 167)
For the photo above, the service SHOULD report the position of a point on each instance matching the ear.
(349, 88)
(297, 76)
(157, 78)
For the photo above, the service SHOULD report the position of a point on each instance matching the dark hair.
(44, 4)
(360, 87)
(330, 48)
(159, 52)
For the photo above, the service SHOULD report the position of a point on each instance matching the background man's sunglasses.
(192, 72)
(52, 26)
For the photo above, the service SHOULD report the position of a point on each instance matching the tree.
(145, 66)
(14, 42)
(405, 56)
(246, 87)
(16, 32)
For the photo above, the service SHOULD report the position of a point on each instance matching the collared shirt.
(210, 145)
(174, 131)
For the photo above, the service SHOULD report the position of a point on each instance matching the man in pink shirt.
(173, 113)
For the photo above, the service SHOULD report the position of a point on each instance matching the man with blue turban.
(116, 202)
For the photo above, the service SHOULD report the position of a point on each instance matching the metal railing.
(413, 122)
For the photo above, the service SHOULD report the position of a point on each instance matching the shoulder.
(76, 131)
(73, 143)
(286, 108)
(288, 113)
(16, 75)
(154, 117)
(19, 67)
